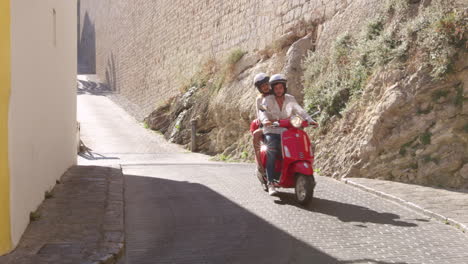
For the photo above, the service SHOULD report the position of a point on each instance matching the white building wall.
(42, 115)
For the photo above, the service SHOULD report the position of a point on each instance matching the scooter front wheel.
(304, 188)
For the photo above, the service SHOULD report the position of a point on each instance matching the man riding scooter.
(278, 106)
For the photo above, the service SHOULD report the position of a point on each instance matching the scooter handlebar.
(287, 123)
(281, 123)
(313, 124)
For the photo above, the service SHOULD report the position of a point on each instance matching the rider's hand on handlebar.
(313, 124)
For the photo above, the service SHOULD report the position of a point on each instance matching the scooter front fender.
(302, 167)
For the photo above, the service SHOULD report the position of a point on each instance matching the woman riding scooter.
(278, 106)
(262, 85)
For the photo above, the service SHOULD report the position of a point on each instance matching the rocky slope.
(395, 96)
(391, 82)
(406, 128)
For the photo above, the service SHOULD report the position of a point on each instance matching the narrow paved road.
(182, 208)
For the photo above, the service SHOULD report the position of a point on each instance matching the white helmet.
(260, 79)
(278, 78)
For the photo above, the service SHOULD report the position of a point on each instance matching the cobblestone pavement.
(219, 214)
(182, 208)
(447, 205)
(81, 223)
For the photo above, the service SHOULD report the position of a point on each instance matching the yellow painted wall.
(5, 234)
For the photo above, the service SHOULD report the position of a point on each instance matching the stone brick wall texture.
(145, 49)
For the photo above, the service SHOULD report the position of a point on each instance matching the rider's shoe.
(272, 190)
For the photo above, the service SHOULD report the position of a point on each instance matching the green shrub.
(425, 138)
(212, 74)
(34, 216)
(424, 111)
(205, 72)
(396, 6)
(443, 33)
(342, 49)
(244, 155)
(436, 95)
(315, 65)
(414, 166)
(402, 151)
(358, 77)
(218, 82)
(234, 56)
(215, 75)
(374, 28)
(223, 157)
(48, 195)
(458, 101)
(453, 26)
(428, 158)
(335, 78)
(332, 84)
(282, 43)
(328, 83)
(405, 146)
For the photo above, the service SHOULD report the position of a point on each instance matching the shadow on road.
(371, 261)
(184, 222)
(91, 87)
(346, 212)
(89, 155)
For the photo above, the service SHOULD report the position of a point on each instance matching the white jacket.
(272, 112)
(258, 104)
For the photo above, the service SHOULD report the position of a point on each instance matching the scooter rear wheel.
(304, 188)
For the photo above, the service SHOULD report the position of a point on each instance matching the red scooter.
(294, 169)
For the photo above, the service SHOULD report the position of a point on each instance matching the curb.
(68, 231)
(409, 205)
(114, 232)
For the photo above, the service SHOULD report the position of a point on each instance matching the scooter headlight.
(296, 121)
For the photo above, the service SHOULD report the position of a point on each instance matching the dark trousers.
(273, 141)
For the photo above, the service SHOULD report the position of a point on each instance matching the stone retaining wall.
(146, 49)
